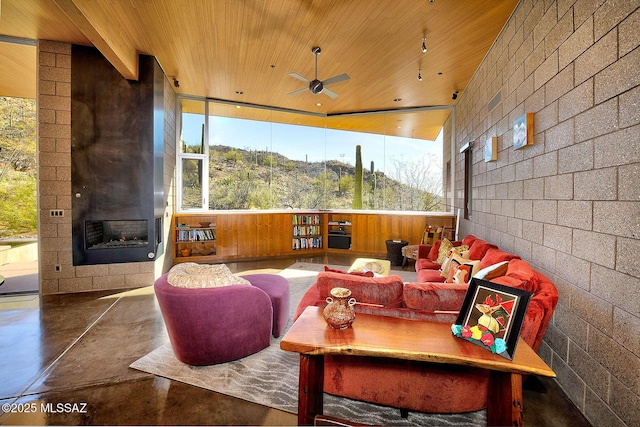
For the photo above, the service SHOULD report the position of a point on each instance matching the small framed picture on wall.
(523, 131)
(491, 149)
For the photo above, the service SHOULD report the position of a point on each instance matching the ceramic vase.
(339, 312)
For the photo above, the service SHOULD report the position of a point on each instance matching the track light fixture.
(424, 44)
(420, 74)
(176, 83)
(455, 95)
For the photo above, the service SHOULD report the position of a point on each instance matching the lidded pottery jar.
(339, 312)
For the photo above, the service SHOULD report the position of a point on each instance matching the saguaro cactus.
(373, 186)
(357, 191)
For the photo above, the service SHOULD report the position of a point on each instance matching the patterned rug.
(270, 377)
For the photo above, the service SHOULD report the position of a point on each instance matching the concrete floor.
(64, 360)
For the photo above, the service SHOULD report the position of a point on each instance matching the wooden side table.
(398, 338)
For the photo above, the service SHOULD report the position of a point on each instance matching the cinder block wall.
(570, 203)
(57, 272)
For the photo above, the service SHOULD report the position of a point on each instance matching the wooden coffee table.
(397, 338)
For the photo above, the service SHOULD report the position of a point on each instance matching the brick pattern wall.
(570, 203)
(57, 272)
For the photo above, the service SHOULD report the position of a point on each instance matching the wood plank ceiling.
(242, 51)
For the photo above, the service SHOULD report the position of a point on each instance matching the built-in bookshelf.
(195, 237)
(307, 231)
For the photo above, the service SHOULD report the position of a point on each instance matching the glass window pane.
(191, 184)
(192, 129)
(299, 173)
(239, 158)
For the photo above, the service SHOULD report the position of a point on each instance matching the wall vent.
(56, 213)
(497, 99)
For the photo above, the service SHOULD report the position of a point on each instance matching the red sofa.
(414, 385)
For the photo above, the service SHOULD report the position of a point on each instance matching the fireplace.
(117, 158)
(116, 234)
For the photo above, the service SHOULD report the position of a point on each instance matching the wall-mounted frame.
(491, 149)
(491, 316)
(523, 131)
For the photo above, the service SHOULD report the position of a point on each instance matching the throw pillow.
(463, 251)
(467, 267)
(192, 275)
(434, 251)
(355, 273)
(445, 247)
(493, 271)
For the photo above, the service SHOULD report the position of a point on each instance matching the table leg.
(310, 388)
(504, 406)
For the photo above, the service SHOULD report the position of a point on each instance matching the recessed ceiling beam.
(104, 33)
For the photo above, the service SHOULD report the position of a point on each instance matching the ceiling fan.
(316, 86)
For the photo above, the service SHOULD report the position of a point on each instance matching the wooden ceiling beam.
(100, 28)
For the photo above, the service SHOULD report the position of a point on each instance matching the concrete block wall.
(570, 203)
(56, 270)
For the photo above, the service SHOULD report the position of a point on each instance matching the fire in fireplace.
(116, 234)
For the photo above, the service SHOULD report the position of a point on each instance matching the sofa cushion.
(426, 264)
(511, 282)
(434, 296)
(355, 273)
(520, 269)
(469, 239)
(494, 256)
(479, 248)
(430, 275)
(435, 250)
(386, 291)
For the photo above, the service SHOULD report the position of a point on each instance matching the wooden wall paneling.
(227, 235)
(364, 233)
(262, 233)
(413, 227)
(247, 239)
(280, 234)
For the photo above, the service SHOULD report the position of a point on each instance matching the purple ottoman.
(277, 287)
(214, 325)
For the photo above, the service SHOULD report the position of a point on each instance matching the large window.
(238, 157)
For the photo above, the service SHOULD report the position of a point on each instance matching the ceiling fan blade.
(299, 77)
(298, 91)
(336, 79)
(331, 94)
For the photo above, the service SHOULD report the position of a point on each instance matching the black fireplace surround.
(117, 157)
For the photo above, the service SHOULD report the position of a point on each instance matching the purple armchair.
(215, 325)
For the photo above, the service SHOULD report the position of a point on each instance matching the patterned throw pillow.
(445, 247)
(463, 251)
(462, 269)
(192, 275)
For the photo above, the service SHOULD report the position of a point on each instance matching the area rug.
(270, 377)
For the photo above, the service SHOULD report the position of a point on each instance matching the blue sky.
(311, 143)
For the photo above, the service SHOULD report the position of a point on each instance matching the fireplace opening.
(116, 234)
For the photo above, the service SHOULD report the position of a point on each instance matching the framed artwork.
(491, 149)
(523, 131)
(491, 316)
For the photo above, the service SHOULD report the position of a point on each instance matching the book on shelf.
(299, 219)
(192, 235)
(307, 230)
(307, 243)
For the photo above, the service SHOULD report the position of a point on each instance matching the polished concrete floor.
(64, 360)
